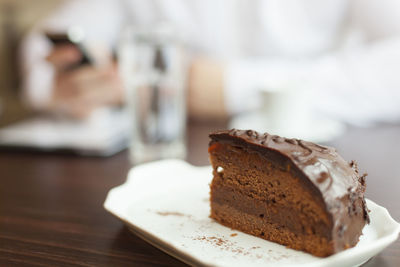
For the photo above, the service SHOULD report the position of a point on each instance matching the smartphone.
(63, 39)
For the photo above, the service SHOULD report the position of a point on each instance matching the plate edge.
(160, 244)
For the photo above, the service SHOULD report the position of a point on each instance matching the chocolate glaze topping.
(338, 182)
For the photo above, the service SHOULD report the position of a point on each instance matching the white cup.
(286, 109)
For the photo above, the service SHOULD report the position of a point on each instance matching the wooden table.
(51, 210)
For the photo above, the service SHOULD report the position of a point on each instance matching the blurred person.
(348, 52)
(77, 92)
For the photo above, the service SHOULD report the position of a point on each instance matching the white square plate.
(167, 204)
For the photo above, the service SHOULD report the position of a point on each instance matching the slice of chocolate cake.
(292, 192)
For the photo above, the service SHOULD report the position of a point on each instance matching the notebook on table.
(104, 133)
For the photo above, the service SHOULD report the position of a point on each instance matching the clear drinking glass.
(152, 68)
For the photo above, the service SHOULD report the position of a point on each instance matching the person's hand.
(79, 91)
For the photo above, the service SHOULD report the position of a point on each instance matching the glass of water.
(152, 67)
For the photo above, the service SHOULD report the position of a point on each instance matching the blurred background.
(16, 19)
(98, 76)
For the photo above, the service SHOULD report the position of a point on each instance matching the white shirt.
(347, 52)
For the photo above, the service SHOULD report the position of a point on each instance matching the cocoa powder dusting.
(169, 213)
(227, 245)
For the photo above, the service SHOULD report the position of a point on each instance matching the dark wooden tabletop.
(51, 205)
